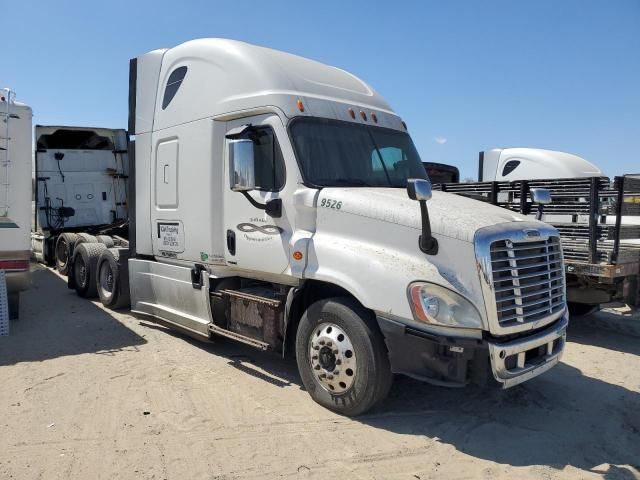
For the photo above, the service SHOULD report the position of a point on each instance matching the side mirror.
(242, 168)
(419, 189)
(541, 196)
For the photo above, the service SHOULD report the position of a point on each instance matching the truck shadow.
(608, 331)
(48, 330)
(563, 418)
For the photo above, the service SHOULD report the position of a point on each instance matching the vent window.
(509, 167)
(173, 84)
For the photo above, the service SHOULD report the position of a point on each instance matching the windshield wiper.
(341, 182)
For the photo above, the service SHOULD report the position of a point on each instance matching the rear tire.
(64, 251)
(112, 278)
(339, 335)
(14, 306)
(86, 238)
(106, 240)
(85, 261)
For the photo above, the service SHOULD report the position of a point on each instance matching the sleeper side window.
(509, 167)
(173, 84)
(269, 162)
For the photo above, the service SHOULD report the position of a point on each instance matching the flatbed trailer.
(599, 223)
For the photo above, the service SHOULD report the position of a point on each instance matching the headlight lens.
(432, 303)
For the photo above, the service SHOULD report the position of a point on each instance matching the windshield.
(336, 153)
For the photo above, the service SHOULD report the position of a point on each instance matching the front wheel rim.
(332, 358)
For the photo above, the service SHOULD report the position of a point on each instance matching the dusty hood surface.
(451, 215)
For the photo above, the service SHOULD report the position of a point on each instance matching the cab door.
(256, 241)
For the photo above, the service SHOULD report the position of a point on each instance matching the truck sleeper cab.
(269, 204)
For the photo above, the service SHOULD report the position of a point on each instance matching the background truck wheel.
(112, 279)
(106, 240)
(579, 309)
(341, 356)
(14, 306)
(85, 262)
(85, 238)
(64, 251)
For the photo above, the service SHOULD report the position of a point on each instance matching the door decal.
(258, 233)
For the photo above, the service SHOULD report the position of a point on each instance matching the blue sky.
(465, 75)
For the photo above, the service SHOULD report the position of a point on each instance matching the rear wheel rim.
(332, 358)
(106, 280)
(62, 253)
(81, 272)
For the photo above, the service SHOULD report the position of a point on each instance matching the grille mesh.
(528, 280)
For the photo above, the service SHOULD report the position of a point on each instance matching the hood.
(451, 215)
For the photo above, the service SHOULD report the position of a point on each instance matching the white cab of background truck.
(272, 205)
(81, 188)
(511, 164)
(15, 195)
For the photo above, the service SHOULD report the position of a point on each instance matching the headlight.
(432, 303)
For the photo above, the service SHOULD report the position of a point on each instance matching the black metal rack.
(581, 209)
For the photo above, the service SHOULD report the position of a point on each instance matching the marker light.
(297, 255)
(300, 105)
(404, 125)
(374, 116)
(363, 115)
(352, 113)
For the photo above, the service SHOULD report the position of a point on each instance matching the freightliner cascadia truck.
(281, 202)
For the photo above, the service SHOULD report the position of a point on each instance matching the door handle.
(166, 177)
(231, 242)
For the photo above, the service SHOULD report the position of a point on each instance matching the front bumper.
(519, 360)
(457, 361)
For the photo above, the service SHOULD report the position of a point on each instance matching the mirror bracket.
(273, 207)
(427, 243)
(420, 190)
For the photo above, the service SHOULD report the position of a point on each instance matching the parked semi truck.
(598, 218)
(15, 197)
(80, 190)
(281, 202)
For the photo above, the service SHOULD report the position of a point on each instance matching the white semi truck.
(15, 196)
(80, 190)
(598, 218)
(281, 202)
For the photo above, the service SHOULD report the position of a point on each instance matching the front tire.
(342, 358)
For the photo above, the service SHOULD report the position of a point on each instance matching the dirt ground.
(91, 394)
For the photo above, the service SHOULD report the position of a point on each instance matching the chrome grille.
(528, 280)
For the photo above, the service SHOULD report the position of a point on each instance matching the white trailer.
(15, 195)
(80, 190)
(281, 202)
